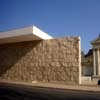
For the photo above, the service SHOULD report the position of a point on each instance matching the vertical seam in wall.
(79, 60)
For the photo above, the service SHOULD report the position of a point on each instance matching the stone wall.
(55, 60)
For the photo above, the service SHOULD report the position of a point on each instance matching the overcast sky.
(57, 17)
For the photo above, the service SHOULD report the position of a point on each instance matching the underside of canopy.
(23, 34)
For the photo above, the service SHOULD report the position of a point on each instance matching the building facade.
(28, 54)
(91, 64)
(87, 63)
(96, 58)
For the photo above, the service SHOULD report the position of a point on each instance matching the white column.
(98, 65)
(94, 62)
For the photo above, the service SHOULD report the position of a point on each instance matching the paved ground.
(93, 88)
(23, 92)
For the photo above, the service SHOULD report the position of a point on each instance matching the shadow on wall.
(10, 55)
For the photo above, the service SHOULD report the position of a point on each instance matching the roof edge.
(43, 35)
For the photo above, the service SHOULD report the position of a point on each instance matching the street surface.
(22, 92)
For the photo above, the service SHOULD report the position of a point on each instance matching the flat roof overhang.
(23, 34)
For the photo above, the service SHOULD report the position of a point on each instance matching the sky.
(59, 18)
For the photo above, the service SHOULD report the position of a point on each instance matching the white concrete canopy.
(23, 34)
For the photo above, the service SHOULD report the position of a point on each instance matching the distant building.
(87, 63)
(91, 63)
(96, 58)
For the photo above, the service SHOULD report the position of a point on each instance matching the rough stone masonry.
(54, 60)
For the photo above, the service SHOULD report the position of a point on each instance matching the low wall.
(55, 60)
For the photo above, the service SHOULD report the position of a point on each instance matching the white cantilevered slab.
(40, 33)
(23, 34)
